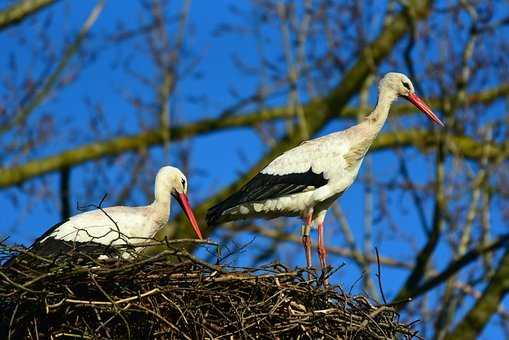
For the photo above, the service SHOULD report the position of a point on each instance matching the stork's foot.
(322, 254)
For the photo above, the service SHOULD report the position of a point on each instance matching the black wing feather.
(36, 243)
(265, 186)
(55, 247)
(47, 233)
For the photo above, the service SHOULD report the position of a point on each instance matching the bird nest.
(174, 295)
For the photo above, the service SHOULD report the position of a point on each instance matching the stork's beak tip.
(183, 200)
(422, 106)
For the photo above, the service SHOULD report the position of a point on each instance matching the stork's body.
(119, 225)
(306, 180)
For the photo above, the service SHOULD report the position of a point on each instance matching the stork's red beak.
(184, 203)
(421, 105)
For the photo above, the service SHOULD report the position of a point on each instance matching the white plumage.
(120, 225)
(306, 180)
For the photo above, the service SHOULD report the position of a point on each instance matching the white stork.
(306, 180)
(119, 225)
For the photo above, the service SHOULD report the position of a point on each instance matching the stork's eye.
(406, 85)
(183, 182)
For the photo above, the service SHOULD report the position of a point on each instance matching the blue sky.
(215, 157)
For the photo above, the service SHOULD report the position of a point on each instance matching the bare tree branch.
(455, 266)
(353, 79)
(464, 145)
(53, 78)
(488, 304)
(354, 254)
(22, 10)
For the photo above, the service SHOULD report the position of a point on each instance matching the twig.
(379, 276)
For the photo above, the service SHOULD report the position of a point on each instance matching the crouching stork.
(120, 225)
(306, 180)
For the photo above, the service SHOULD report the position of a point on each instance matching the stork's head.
(171, 180)
(398, 85)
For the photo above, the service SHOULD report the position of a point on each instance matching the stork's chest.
(354, 155)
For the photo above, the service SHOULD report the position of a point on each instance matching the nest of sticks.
(174, 295)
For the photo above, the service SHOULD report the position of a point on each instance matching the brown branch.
(455, 266)
(332, 105)
(278, 235)
(488, 304)
(323, 110)
(463, 145)
(425, 254)
(119, 145)
(196, 300)
(51, 82)
(21, 11)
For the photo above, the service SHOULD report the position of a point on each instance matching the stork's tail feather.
(216, 214)
(213, 215)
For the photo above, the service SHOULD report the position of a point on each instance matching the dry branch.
(488, 304)
(154, 298)
(52, 79)
(275, 234)
(324, 110)
(462, 145)
(22, 10)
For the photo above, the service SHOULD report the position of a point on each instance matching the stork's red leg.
(306, 240)
(322, 251)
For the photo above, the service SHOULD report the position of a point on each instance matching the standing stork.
(119, 225)
(306, 180)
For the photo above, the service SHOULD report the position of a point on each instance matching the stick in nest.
(154, 297)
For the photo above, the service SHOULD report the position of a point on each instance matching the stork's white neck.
(162, 198)
(367, 131)
(378, 116)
